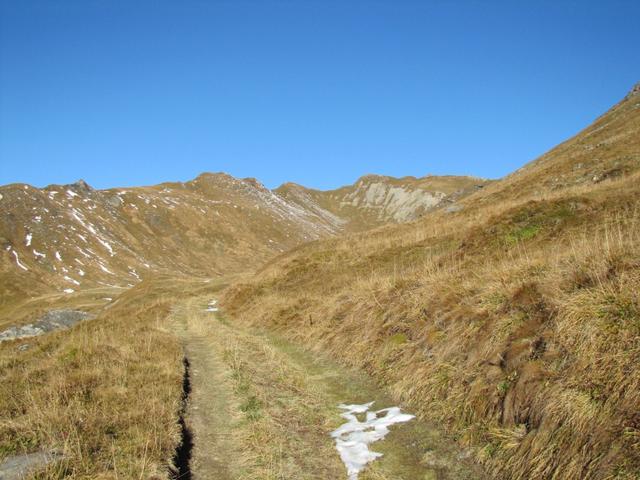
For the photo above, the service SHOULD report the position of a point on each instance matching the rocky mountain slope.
(375, 200)
(70, 237)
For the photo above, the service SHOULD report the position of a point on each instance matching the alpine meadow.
(401, 326)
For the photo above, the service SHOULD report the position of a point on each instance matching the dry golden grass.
(105, 394)
(516, 325)
(283, 420)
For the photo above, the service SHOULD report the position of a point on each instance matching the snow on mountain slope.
(69, 237)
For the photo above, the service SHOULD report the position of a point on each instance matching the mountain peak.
(81, 185)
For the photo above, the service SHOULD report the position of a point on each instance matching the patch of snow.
(105, 269)
(37, 219)
(106, 245)
(28, 239)
(211, 306)
(71, 194)
(80, 219)
(68, 290)
(38, 254)
(80, 272)
(71, 280)
(18, 262)
(58, 256)
(353, 438)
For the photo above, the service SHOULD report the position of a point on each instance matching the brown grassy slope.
(606, 149)
(105, 394)
(75, 237)
(516, 323)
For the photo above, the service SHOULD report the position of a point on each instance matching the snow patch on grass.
(105, 269)
(18, 262)
(71, 280)
(353, 438)
(106, 245)
(211, 306)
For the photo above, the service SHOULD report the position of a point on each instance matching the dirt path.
(209, 403)
(260, 408)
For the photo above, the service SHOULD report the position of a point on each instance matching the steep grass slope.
(515, 321)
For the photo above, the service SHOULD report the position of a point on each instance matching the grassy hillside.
(67, 238)
(515, 321)
(104, 395)
(72, 237)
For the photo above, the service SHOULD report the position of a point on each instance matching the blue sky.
(127, 93)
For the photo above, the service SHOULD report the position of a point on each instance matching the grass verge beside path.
(285, 406)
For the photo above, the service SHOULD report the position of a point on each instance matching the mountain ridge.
(67, 237)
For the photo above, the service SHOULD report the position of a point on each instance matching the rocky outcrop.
(18, 467)
(50, 321)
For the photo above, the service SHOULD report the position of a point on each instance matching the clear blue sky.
(313, 91)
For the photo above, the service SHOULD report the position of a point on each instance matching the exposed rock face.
(397, 203)
(635, 90)
(376, 199)
(454, 208)
(18, 467)
(82, 186)
(50, 321)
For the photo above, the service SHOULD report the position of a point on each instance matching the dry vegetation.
(515, 323)
(517, 326)
(280, 404)
(284, 422)
(105, 394)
